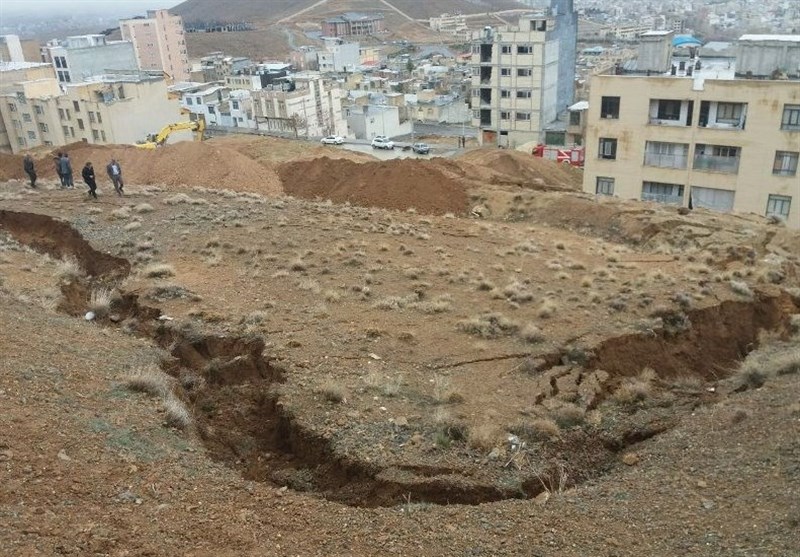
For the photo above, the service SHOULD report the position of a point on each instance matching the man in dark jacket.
(27, 164)
(66, 171)
(57, 160)
(88, 177)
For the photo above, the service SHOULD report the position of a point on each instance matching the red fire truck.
(574, 156)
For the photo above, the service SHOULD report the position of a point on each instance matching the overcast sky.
(111, 8)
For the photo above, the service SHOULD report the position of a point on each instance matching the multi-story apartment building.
(109, 109)
(523, 76)
(353, 24)
(10, 74)
(698, 133)
(159, 43)
(307, 105)
(451, 24)
(83, 56)
(338, 56)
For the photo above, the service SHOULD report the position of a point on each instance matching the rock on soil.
(397, 184)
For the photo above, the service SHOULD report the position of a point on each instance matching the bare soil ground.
(535, 373)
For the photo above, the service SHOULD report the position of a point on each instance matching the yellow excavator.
(155, 140)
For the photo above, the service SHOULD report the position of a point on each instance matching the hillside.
(274, 347)
(256, 10)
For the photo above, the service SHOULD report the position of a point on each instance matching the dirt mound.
(516, 167)
(182, 164)
(396, 184)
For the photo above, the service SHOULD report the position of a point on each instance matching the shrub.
(332, 391)
(100, 301)
(491, 325)
(484, 437)
(147, 379)
(567, 415)
(532, 334)
(159, 270)
(177, 414)
(68, 269)
(547, 309)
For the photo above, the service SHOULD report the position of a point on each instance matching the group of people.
(64, 170)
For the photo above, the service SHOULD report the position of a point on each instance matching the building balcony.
(665, 161)
(663, 198)
(716, 163)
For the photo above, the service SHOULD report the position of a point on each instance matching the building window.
(729, 113)
(12, 107)
(48, 143)
(524, 72)
(505, 49)
(791, 117)
(103, 135)
(211, 110)
(505, 94)
(662, 193)
(199, 100)
(476, 71)
(31, 135)
(609, 107)
(523, 116)
(43, 127)
(669, 110)
(66, 111)
(235, 105)
(524, 94)
(58, 62)
(26, 117)
(91, 117)
(608, 148)
(505, 115)
(604, 186)
(778, 206)
(21, 141)
(21, 98)
(95, 135)
(575, 118)
(785, 163)
(505, 72)
(99, 118)
(75, 106)
(65, 129)
(71, 131)
(38, 109)
(524, 49)
(17, 124)
(666, 155)
(189, 101)
(80, 124)
(61, 114)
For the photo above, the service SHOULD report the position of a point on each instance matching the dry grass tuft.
(68, 269)
(485, 437)
(177, 414)
(122, 213)
(332, 391)
(547, 309)
(492, 325)
(147, 379)
(100, 301)
(532, 334)
(142, 208)
(568, 415)
(159, 270)
(740, 287)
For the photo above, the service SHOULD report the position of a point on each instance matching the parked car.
(382, 142)
(421, 148)
(333, 140)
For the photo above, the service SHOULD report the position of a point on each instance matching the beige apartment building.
(110, 109)
(699, 136)
(12, 73)
(159, 42)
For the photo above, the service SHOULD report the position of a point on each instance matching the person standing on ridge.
(88, 177)
(30, 170)
(57, 160)
(66, 171)
(115, 173)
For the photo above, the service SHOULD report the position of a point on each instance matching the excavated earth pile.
(398, 184)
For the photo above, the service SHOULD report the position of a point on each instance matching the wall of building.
(83, 63)
(11, 49)
(758, 142)
(159, 42)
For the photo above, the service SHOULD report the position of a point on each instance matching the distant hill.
(197, 11)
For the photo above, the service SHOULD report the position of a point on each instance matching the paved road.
(396, 153)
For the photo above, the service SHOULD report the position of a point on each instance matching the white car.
(333, 140)
(382, 142)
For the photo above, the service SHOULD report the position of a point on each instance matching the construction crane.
(155, 140)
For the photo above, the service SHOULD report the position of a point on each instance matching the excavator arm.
(197, 126)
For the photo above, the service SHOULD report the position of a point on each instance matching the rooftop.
(783, 38)
(14, 66)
